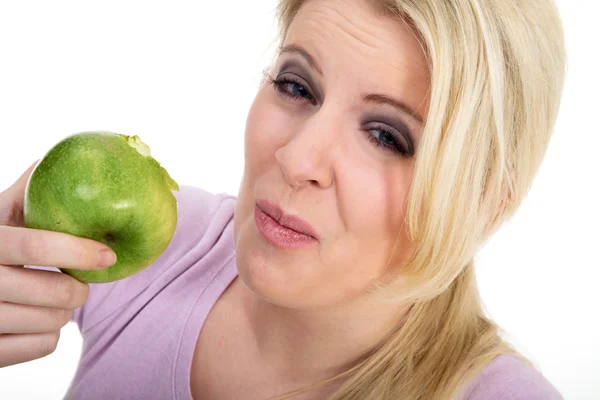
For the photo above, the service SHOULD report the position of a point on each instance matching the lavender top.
(139, 333)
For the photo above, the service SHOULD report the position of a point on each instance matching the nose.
(306, 159)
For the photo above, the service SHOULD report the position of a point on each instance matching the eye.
(387, 140)
(381, 136)
(292, 88)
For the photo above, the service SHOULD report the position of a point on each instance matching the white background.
(182, 75)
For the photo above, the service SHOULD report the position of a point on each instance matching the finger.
(23, 246)
(15, 349)
(20, 318)
(17, 190)
(21, 182)
(41, 288)
(11, 200)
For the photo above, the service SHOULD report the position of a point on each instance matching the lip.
(287, 220)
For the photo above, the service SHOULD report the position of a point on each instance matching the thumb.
(11, 200)
(19, 186)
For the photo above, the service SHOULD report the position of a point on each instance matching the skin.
(296, 316)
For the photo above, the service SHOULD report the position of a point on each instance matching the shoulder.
(510, 378)
(197, 207)
(202, 217)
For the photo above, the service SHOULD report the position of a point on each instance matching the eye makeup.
(295, 83)
(294, 67)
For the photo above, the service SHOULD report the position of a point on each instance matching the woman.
(388, 141)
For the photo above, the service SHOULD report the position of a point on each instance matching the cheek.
(372, 195)
(373, 202)
(266, 127)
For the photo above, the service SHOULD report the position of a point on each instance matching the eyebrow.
(369, 98)
(295, 49)
(385, 99)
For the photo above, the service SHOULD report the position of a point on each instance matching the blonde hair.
(497, 70)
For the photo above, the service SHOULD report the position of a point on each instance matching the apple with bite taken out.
(106, 187)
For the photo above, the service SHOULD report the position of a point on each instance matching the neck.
(316, 344)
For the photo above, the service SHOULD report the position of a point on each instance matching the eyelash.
(279, 86)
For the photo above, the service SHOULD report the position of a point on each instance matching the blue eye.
(292, 88)
(386, 139)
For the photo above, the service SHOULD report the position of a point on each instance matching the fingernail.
(106, 258)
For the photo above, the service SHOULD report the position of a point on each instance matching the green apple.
(106, 187)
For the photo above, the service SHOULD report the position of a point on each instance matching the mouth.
(282, 229)
(287, 220)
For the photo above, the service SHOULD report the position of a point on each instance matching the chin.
(263, 272)
(289, 278)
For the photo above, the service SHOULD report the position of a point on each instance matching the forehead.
(352, 40)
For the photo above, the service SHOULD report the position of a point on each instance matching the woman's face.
(326, 143)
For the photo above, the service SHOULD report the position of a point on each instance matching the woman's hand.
(36, 304)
